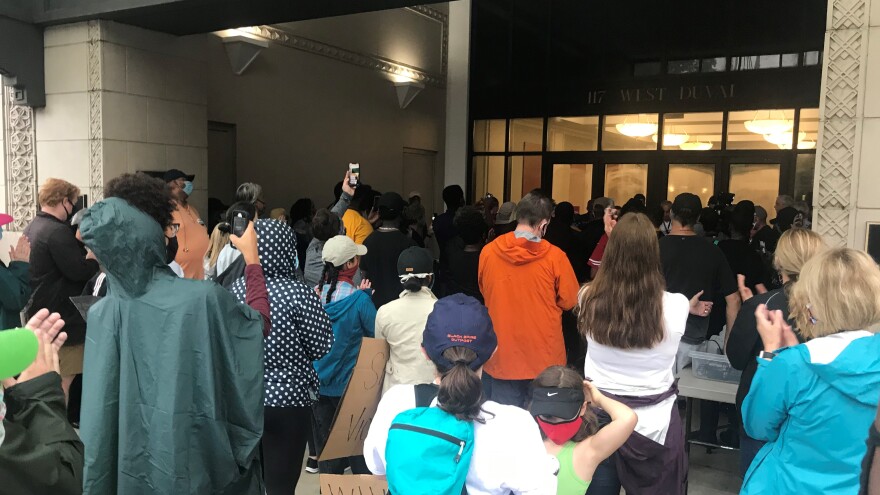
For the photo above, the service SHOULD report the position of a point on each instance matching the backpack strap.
(425, 394)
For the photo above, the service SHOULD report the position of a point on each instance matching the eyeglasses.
(812, 319)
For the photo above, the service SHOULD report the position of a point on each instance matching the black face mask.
(170, 250)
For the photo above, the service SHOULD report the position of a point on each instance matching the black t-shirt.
(765, 239)
(380, 263)
(743, 260)
(463, 272)
(692, 264)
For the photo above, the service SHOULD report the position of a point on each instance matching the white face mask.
(2, 416)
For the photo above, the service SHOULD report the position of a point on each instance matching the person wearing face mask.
(192, 235)
(15, 282)
(560, 401)
(527, 283)
(60, 269)
(39, 451)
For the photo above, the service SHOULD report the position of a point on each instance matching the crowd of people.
(533, 349)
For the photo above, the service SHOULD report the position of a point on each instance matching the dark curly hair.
(148, 194)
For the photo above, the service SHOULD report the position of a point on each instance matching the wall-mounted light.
(242, 51)
(407, 91)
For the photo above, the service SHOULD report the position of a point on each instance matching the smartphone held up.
(354, 174)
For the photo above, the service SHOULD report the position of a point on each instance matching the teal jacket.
(813, 405)
(353, 319)
(15, 290)
(173, 379)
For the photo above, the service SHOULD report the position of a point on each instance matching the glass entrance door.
(573, 182)
(756, 182)
(695, 178)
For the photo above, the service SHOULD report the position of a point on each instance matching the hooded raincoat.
(301, 330)
(173, 379)
(527, 285)
(813, 404)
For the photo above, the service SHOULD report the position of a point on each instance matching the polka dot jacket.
(301, 330)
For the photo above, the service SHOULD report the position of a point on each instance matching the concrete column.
(848, 161)
(457, 79)
(122, 99)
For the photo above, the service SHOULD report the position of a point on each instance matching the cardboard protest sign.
(359, 402)
(353, 484)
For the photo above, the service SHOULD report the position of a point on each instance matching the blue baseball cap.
(459, 321)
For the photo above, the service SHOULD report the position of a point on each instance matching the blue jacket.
(813, 404)
(353, 318)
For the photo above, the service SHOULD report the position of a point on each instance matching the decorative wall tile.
(844, 79)
(21, 160)
(96, 117)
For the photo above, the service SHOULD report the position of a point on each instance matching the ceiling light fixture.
(769, 125)
(637, 129)
(696, 146)
(672, 139)
(784, 138)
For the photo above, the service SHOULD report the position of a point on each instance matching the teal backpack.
(428, 451)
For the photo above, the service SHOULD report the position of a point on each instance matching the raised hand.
(698, 307)
(21, 251)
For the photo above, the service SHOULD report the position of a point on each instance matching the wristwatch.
(767, 355)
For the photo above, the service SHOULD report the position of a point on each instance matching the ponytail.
(461, 391)
(330, 276)
(414, 284)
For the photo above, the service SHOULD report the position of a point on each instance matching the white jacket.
(509, 454)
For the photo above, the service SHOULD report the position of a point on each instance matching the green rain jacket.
(173, 377)
(15, 290)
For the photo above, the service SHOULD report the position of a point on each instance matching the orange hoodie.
(527, 285)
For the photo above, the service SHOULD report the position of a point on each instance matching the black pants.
(285, 430)
(322, 415)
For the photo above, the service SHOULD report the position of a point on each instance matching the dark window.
(812, 58)
(684, 66)
(646, 69)
(789, 59)
(716, 64)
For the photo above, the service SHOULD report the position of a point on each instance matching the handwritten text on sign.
(353, 484)
(359, 402)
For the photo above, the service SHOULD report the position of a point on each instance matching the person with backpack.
(560, 403)
(455, 439)
(353, 316)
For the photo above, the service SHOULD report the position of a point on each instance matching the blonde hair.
(796, 247)
(54, 191)
(219, 240)
(842, 288)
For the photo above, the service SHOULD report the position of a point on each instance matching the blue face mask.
(188, 188)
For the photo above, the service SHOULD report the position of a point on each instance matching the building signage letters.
(653, 95)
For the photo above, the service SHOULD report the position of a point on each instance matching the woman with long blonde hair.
(813, 402)
(793, 250)
(218, 241)
(633, 327)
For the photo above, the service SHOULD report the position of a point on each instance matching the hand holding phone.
(354, 174)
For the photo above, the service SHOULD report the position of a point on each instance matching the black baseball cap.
(459, 321)
(687, 201)
(175, 174)
(392, 202)
(415, 260)
(563, 403)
